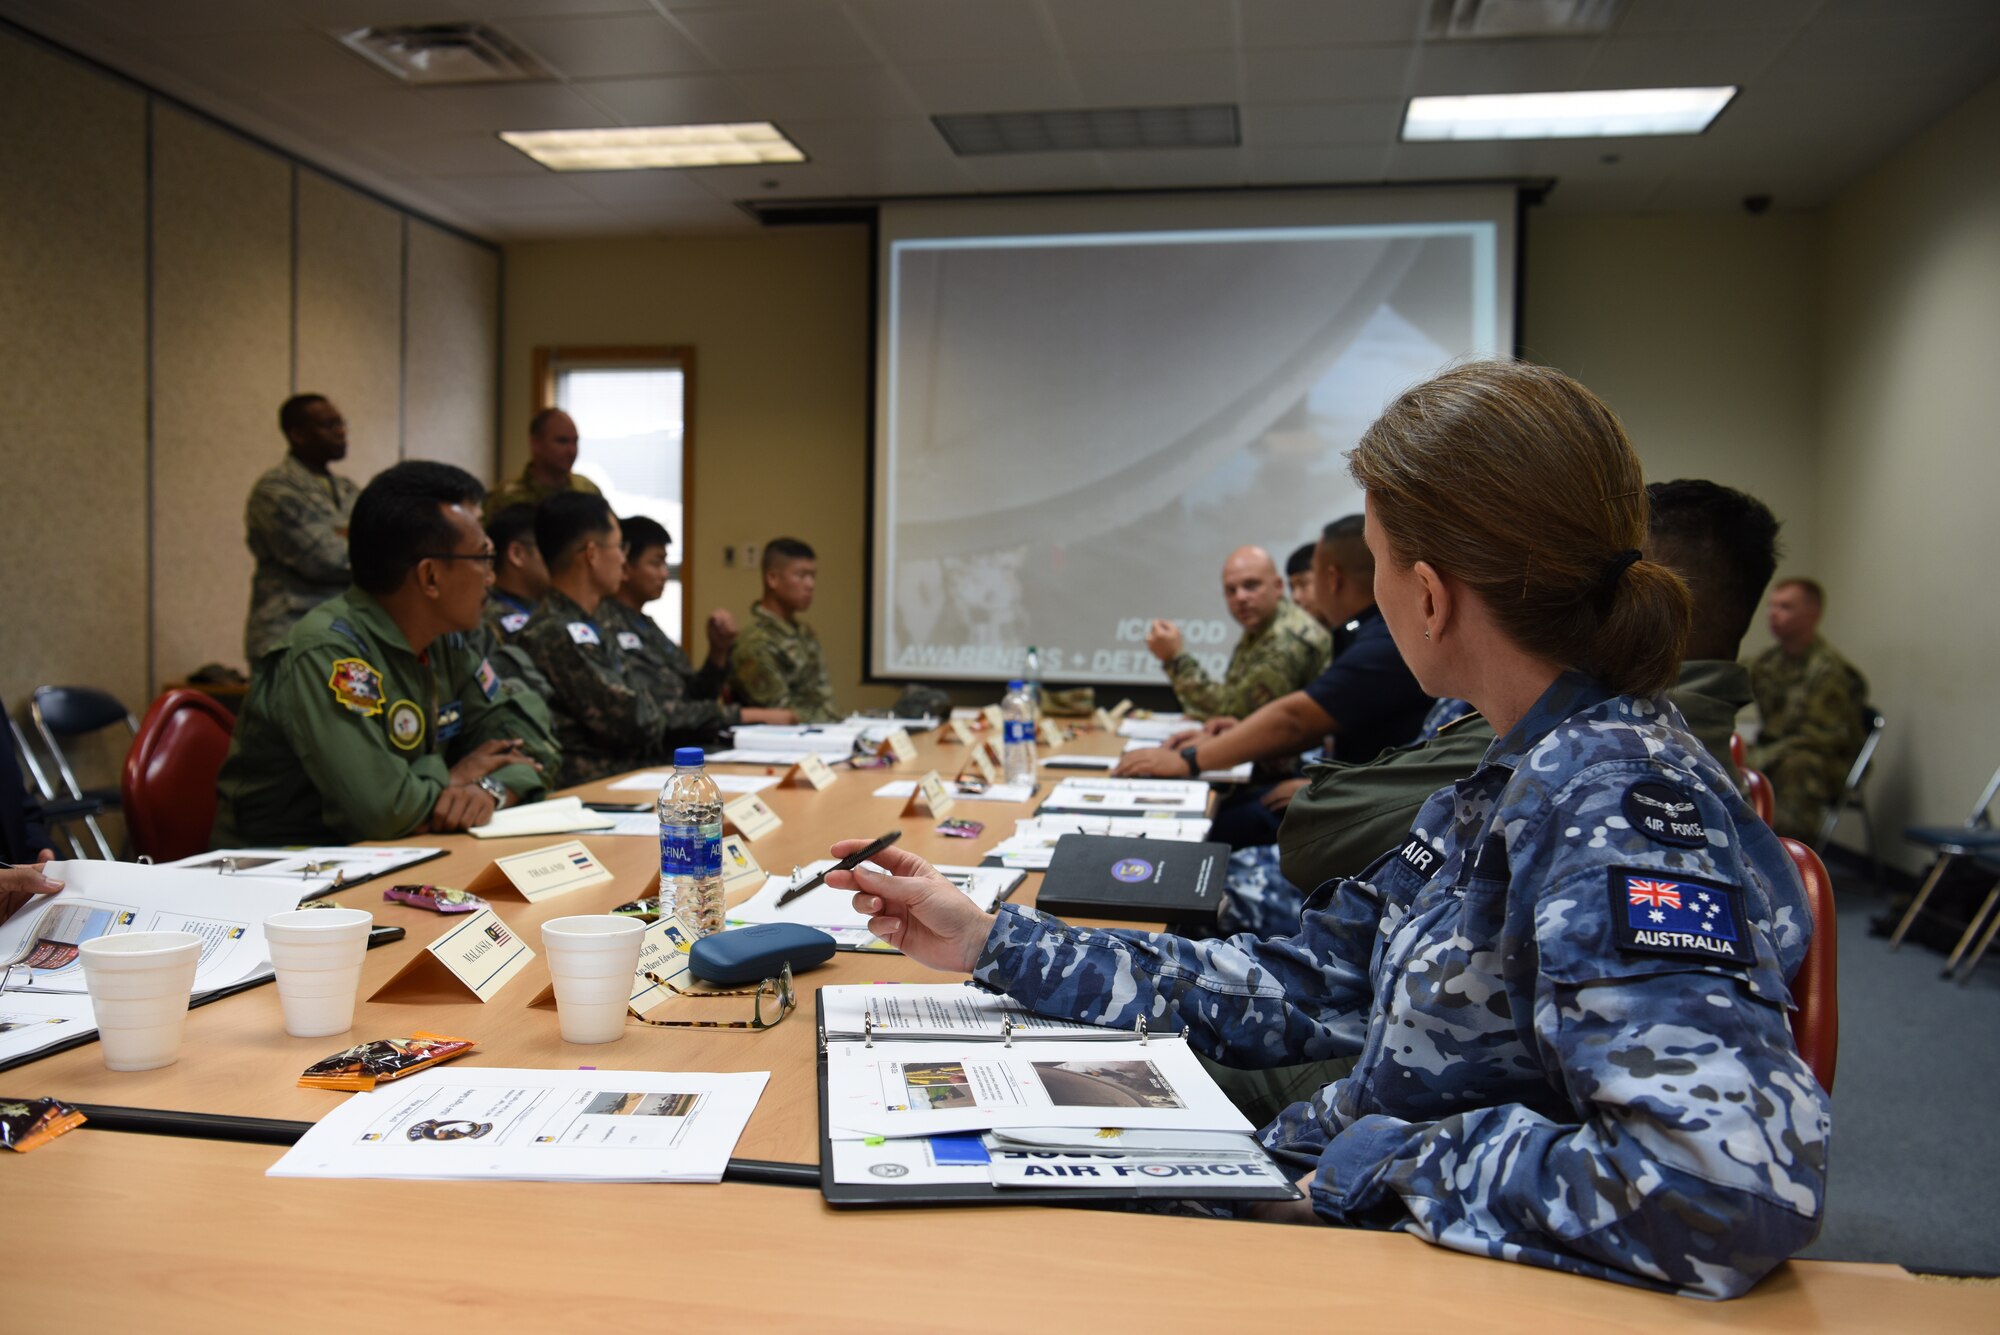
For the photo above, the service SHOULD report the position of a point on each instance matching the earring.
(1427, 635)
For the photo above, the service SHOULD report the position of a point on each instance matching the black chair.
(58, 814)
(1951, 842)
(1850, 792)
(75, 712)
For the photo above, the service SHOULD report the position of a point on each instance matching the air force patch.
(583, 633)
(1681, 917)
(1665, 814)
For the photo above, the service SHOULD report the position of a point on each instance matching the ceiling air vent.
(1102, 130)
(1472, 20)
(433, 53)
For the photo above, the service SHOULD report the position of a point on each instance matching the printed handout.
(1178, 797)
(940, 1011)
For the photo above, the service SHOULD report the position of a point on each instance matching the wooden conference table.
(191, 1234)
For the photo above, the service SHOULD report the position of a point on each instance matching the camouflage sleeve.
(1692, 1153)
(586, 691)
(297, 533)
(490, 712)
(367, 790)
(1250, 1003)
(1201, 696)
(756, 674)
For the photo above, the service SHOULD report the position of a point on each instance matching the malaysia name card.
(931, 792)
(479, 954)
(898, 745)
(812, 771)
(541, 873)
(751, 816)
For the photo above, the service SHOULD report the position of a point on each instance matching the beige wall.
(779, 430)
(1909, 473)
(127, 534)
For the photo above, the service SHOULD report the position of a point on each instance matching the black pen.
(848, 863)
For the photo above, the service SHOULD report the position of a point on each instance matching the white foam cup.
(139, 984)
(318, 954)
(592, 958)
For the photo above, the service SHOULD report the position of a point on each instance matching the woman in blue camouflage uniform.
(1565, 988)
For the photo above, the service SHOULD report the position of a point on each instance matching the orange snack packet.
(365, 1065)
(26, 1123)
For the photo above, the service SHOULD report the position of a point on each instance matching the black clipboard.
(889, 1192)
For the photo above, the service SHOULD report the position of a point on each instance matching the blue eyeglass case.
(752, 954)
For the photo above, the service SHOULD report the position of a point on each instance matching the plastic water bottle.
(1017, 734)
(1032, 677)
(691, 844)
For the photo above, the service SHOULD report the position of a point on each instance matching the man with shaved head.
(1282, 647)
(552, 444)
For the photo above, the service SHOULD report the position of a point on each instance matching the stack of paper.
(1174, 797)
(998, 792)
(832, 911)
(1234, 774)
(875, 730)
(312, 871)
(1033, 842)
(558, 815)
(1042, 1107)
(45, 1000)
(534, 1126)
(1155, 728)
(776, 744)
(652, 780)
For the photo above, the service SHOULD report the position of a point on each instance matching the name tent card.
(1119, 711)
(930, 793)
(898, 745)
(1103, 722)
(541, 873)
(662, 950)
(993, 718)
(812, 771)
(959, 731)
(751, 816)
(480, 955)
(739, 869)
(980, 761)
(1050, 733)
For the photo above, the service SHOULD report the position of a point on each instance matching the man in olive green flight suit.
(295, 523)
(1809, 699)
(1283, 646)
(372, 718)
(551, 466)
(606, 718)
(777, 662)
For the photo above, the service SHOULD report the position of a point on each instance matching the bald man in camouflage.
(1282, 647)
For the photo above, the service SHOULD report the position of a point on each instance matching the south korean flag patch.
(1682, 917)
(629, 641)
(583, 633)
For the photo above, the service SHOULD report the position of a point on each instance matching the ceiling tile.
(1290, 23)
(457, 155)
(1502, 66)
(869, 140)
(303, 62)
(829, 94)
(1127, 26)
(1834, 53)
(639, 188)
(548, 190)
(1036, 171)
(521, 106)
(775, 39)
(584, 48)
(532, 9)
(1307, 123)
(679, 99)
(1327, 74)
(1172, 78)
(1314, 166)
(1686, 60)
(396, 111)
(1011, 85)
(944, 29)
(1643, 17)
(1177, 168)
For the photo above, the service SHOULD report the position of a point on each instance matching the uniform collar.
(508, 600)
(1571, 693)
(793, 627)
(561, 607)
(373, 620)
(298, 470)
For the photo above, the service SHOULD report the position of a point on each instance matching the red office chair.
(1736, 749)
(1758, 789)
(169, 779)
(1816, 1022)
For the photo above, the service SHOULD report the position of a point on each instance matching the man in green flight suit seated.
(373, 718)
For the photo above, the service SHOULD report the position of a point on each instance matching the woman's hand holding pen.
(914, 908)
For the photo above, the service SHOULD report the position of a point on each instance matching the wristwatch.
(499, 791)
(1187, 756)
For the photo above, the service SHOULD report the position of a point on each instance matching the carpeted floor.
(1915, 1172)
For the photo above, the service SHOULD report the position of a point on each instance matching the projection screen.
(1082, 406)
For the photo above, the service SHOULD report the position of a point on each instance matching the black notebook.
(1152, 880)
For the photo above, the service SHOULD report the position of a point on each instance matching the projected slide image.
(1078, 429)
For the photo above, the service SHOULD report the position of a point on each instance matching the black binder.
(1148, 880)
(889, 1192)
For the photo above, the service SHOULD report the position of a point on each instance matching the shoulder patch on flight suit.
(583, 633)
(1665, 813)
(357, 685)
(1419, 856)
(489, 680)
(406, 724)
(1653, 913)
(629, 639)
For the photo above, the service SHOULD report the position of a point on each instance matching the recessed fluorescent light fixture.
(1610, 114)
(652, 146)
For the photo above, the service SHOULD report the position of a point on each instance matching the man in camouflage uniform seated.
(295, 523)
(1566, 988)
(777, 662)
(1810, 700)
(1282, 647)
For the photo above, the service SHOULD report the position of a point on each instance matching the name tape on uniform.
(541, 873)
(480, 955)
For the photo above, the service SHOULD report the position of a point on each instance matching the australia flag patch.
(1663, 913)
